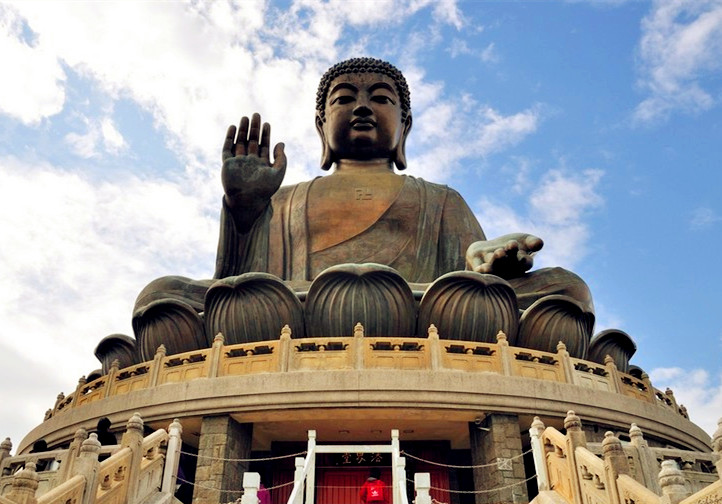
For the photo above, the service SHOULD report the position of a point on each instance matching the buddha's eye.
(382, 99)
(342, 100)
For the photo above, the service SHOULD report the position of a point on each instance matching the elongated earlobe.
(400, 152)
(326, 155)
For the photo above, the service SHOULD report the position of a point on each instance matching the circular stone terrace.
(429, 388)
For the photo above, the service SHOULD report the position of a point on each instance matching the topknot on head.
(363, 65)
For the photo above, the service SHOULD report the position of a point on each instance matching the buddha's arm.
(459, 229)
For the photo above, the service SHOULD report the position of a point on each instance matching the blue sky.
(595, 125)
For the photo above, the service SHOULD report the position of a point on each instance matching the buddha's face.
(363, 117)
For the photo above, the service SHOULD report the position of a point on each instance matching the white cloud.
(99, 133)
(32, 84)
(681, 43)
(697, 390)
(556, 213)
(704, 218)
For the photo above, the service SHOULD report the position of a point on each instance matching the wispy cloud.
(559, 203)
(681, 44)
(696, 389)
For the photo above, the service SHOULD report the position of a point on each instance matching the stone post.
(497, 442)
(78, 389)
(71, 456)
(24, 485)
(224, 450)
(172, 457)
(650, 388)
(434, 347)
(566, 361)
(615, 463)
(358, 345)
(537, 446)
(251, 484)
(5, 448)
(647, 460)
(87, 465)
(311, 450)
(422, 485)
(613, 373)
(284, 352)
(133, 439)
(399, 481)
(504, 353)
(575, 438)
(671, 480)
(298, 476)
(58, 400)
(109, 379)
(717, 447)
(157, 365)
(215, 356)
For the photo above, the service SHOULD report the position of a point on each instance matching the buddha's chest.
(341, 207)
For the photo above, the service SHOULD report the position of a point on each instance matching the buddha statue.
(363, 212)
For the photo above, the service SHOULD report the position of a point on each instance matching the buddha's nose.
(362, 109)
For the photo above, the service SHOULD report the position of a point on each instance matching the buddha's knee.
(168, 312)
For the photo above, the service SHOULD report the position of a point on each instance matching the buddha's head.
(363, 112)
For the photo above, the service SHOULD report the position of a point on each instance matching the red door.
(341, 486)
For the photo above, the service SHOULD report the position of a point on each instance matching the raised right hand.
(249, 178)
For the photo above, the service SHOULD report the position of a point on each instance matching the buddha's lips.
(363, 123)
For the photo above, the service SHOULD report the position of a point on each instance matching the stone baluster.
(215, 356)
(566, 361)
(537, 447)
(251, 484)
(24, 485)
(172, 457)
(434, 347)
(717, 447)
(399, 481)
(110, 379)
(284, 352)
(78, 391)
(575, 438)
(358, 340)
(504, 353)
(133, 439)
(647, 459)
(422, 485)
(614, 377)
(157, 365)
(671, 480)
(615, 463)
(87, 465)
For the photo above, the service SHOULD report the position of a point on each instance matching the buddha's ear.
(326, 155)
(400, 153)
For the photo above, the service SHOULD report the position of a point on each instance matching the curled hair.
(363, 65)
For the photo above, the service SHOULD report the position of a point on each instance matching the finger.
(533, 243)
(254, 134)
(511, 246)
(279, 157)
(228, 143)
(242, 137)
(265, 142)
(525, 261)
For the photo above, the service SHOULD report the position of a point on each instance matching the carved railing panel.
(130, 379)
(322, 353)
(184, 366)
(633, 492)
(396, 353)
(590, 471)
(560, 477)
(249, 358)
(536, 364)
(471, 357)
(112, 477)
(71, 490)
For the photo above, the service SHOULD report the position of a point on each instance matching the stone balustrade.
(360, 352)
